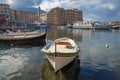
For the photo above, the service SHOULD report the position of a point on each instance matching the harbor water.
(99, 57)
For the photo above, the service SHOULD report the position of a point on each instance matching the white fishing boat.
(61, 52)
(82, 25)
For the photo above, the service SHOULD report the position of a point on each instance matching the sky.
(93, 10)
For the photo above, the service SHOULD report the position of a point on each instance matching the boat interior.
(63, 43)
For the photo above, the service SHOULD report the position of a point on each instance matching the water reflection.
(11, 64)
(97, 62)
(69, 72)
(5, 46)
(76, 34)
(55, 33)
(16, 62)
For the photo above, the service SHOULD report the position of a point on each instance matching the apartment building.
(78, 15)
(4, 14)
(56, 17)
(60, 17)
(73, 15)
(13, 16)
(69, 16)
(26, 17)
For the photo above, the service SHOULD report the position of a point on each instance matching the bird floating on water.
(107, 45)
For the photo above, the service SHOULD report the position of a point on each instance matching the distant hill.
(33, 10)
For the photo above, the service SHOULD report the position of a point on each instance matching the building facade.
(26, 17)
(69, 16)
(56, 17)
(60, 17)
(13, 16)
(73, 15)
(113, 23)
(78, 16)
(4, 14)
(43, 17)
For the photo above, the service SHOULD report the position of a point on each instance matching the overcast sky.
(96, 10)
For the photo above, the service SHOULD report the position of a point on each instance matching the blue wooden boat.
(43, 25)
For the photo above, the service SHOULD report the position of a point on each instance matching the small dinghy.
(61, 52)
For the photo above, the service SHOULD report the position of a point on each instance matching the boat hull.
(82, 27)
(102, 27)
(38, 39)
(59, 62)
(61, 52)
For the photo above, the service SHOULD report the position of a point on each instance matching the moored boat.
(43, 25)
(69, 26)
(116, 27)
(61, 52)
(23, 37)
(82, 25)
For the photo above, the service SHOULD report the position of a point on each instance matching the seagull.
(107, 45)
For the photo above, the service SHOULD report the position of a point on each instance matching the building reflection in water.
(55, 33)
(69, 72)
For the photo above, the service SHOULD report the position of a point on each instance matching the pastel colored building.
(56, 17)
(26, 17)
(4, 14)
(60, 17)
